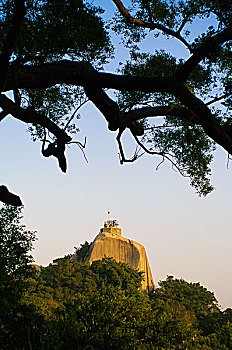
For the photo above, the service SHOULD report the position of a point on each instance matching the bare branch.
(146, 149)
(216, 99)
(162, 126)
(28, 115)
(81, 146)
(162, 161)
(74, 114)
(122, 157)
(80, 74)
(162, 154)
(17, 97)
(105, 104)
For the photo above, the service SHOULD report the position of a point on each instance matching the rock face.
(110, 243)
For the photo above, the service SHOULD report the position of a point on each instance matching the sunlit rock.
(110, 243)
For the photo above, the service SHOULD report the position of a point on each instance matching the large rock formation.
(110, 243)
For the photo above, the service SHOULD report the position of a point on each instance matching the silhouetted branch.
(83, 74)
(202, 51)
(81, 146)
(146, 112)
(8, 197)
(105, 104)
(74, 113)
(216, 99)
(162, 154)
(3, 114)
(56, 149)
(122, 157)
(142, 24)
(30, 116)
(185, 20)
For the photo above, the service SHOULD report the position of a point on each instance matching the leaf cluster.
(59, 103)
(188, 149)
(53, 29)
(186, 145)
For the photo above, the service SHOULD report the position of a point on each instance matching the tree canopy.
(53, 56)
(75, 305)
(16, 244)
(100, 306)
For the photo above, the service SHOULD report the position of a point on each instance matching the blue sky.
(184, 235)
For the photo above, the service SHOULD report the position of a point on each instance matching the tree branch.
(122, 157)
(146, 112)
(82, 74)
(3, 115)
(185, 20)
(139, 23)
(105, 104)
(202, 51)
(30, 116)
(162, 154)
(74, 113)
(8, 197)
(216, 99)
(221, 134)
(56, 149)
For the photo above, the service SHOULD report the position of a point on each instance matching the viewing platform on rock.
(111, 226)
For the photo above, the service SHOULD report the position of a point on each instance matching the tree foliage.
(75, 305)
(53, 56)
(15, 269)
(15, 242)
(65, 278)
(82, 251)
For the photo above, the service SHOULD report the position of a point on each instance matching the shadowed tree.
(52, 59)
(15, 269)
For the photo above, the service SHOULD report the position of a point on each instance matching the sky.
(184, 235)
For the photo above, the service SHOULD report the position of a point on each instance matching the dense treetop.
(53, 56)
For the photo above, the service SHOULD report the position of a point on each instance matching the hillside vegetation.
(70, 305)
(73, 305)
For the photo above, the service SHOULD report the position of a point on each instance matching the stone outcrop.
(110, 243)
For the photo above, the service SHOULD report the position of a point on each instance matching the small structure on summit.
(110, 243)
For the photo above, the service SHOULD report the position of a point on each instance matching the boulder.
(110, 243)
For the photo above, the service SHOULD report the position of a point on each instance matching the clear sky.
(184, 235)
